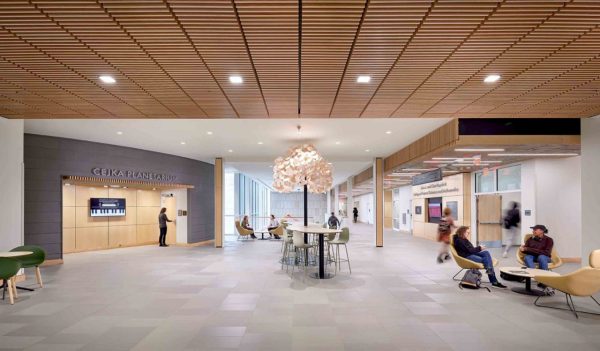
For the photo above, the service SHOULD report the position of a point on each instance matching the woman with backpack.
(445, 228)
(478, 254)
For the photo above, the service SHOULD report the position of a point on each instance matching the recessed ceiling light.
(106, 186)
(535, 155)
(209, 133)
(107, 79)
(153, 188)
(260, 143)
(388, 132)
(491, 78)
(67, 184)
(119, 133)
(124, 187)
(236, 79)
(363, 79)
(418, 169)
(229, 150)
(367, 150)
(478, 150)
(182, 143)
(337, 143)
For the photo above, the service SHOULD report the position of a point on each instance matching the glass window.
(509, 178)
(485, 183)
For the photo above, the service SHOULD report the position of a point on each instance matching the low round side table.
(528, 274)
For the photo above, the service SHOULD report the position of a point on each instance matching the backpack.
(444, 226)
(471, 280)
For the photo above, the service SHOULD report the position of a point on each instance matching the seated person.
(246, 225)
(538, 248)
(478, 254)
(273, 224)
(333, 222)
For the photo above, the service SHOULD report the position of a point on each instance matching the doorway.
(489, 220)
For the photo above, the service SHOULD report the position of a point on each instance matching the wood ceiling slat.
(173, 58)
(271, 30)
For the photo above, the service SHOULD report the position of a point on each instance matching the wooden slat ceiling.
(173, 58)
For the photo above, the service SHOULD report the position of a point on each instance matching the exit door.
(171, 204)
(489, 219)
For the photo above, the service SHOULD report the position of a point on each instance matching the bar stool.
(301, 248)
(343, 239)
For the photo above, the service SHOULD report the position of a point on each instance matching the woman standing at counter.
(162, 225)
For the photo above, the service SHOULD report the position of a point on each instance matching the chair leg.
(14, 285)
(10, 291)
(348, 258)
(454, 278)
(571, 305)
(38, 276)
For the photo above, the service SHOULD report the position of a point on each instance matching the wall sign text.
(129, 174)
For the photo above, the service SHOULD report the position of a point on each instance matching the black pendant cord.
(305, 211)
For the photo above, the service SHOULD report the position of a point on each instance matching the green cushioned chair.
(9, 268)
(34, 260)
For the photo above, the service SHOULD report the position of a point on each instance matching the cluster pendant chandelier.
(302, 166)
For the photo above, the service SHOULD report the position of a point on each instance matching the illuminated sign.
(132, 174)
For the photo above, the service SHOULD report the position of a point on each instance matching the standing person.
(511, 223)
(246, 225)
(162, 225)
(273, 224)
(478, 254)
(355, 213)
(333, 222)
(445, 228)
(538, 248)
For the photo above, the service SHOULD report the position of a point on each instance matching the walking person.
(333, 222)
(355, 213)
(162, 225)
(445, 228)
(511, 223)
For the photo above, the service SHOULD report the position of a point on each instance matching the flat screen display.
(100, 207)
(434, 209)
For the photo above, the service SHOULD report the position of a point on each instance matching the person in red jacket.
(538, 248)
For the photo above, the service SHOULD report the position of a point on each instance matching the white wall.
(404, 199)
(551, 190)
(11, 178)
(590, 186)
(293, 204)
(365, 208)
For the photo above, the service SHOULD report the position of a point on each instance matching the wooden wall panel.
(68, 240)
(68, 217)
(94, 238)
(84, 193)
(84, 220)
(68, 197)
(148, 233)
(122, 236)
(130, 195)
(148, 198)
(130, 217)
(148, 215)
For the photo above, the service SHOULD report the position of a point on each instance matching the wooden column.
(378, 199)
(219, 196)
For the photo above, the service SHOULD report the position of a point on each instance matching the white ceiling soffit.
(250, 145)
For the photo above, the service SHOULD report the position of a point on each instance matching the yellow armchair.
(464, 263)
(277, 231)
(556, 260)
(583, 282)
(242, 232)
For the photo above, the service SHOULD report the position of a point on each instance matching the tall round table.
(528, 274)
(321, 232)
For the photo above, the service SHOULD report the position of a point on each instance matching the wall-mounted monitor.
(434, 209)
(100, 207)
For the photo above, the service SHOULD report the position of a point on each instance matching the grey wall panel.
(47, 159)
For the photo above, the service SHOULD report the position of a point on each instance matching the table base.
(262, 237)
(532, 292)
(325, 276)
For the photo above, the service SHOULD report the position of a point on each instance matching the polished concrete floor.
(397, 298)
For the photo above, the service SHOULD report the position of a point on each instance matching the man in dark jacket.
(333, 222)
(538, 248)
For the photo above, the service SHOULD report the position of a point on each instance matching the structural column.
(219, 201)
(590, 187)
(349, 197)
(336, 199)
(378, 200)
